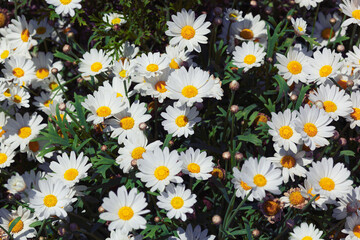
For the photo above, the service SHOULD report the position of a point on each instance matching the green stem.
(41, 228)
(352, 35)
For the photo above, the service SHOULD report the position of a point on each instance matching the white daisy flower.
(113, 19)
(7, 154)
(15, 184)
(52, 198)
(352, 227)
(19, 69)
(249, 55)
(282, 128)
(336, 102)
(33, 151)
(151, 65)
(124, 210)
(352, 57)
(44, 63)
(94, 62)
(176, 201)
(102, 105)
(313, 125)
(261, 176)
(347, 205)
(3, 120)
(306, 232)
(323, 29)
(351, 8)
(196, 164)
(70, 169)
(324, 65)
(329, 180)
(128, 51)
(51, 84)
(22, 229)
(188, 31)
(299, 26)
(242, 189)
(19, 97)
(127, 121)
(123, 69)
(308, 3)
(189, 86)
(250, 28)
(134, 147)
(178, 56)
(65, 7)
(233, 15)
(156, 86)
(54, 107)
(354, 116)
(120, 235)
(23, 129)
(292, 66)
(294, 198)
(180, 121)
(46, 99)
(158, 168)
(43, 29)
(192, 234)
(5, 50)
(32, 179)
(308, 192)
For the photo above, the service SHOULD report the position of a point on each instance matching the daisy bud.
(66, 48)
(218, 11)
(234, 109)
(73, 227)
(134, 162)
(226, 155)
(10, 197)
(293, 97)
(350, 83)
(156, 219)
(70, 34)
(216, 219)
(342, 141)
(143, 126)
(171, 143)
(290, 223)
(101, 209)
(288, 17)
(234, 85)
(74, 63)
(199, 106)
(255, 233)
(340, 48)
(253, 3)
(61, 231)
(319, 104)
(62, 106)
(268, 10)
(270, 59)
(54, 71)
(116, 27)
(103, 148)
(336, 135)
(239, 156)
(17, 196)
(292, 2)
(217, 21)
(42, 238)
(79, 79)
(332, 21)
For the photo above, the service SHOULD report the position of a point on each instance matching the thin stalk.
(352, 35)
(41, 228)
(237, 209)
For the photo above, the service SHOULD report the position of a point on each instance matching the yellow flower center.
(122, 73)
(188, 32)
(24, 132)
(294, 67)
(71, 174)
(7, 93)
(286, 132)
(247, 34)
(271, 208)
(2, 131)
(288, 161)
(48, 102)
(356, 229)
(53, 85)
(327, 184)
(296, 198)
(115, 21)
(325, 34)
(310, 129)
(160, 86)
(181, 121)
(17, 99)
(161, 172)
(300, 29)
(127, 123)
(40, 30)
(3, 18)
(355, 114)
(25, 35)
(312, 195)
(152, 67)
(125, 213)
(249, 59)
(245, 186)
(96, 66)
(3, 158)
(193, 168)
(65, 2)
(173, 64)
(177, 202)
(42, 73)
(34, 146)
(325, 71)
(18, 72)
(189, 91)
(260, 180)
(307, 238)
(138, 152)
(103, 111)
(356, 14)
(18, 226)
(50, 200)
(119, 95)
(330, 106)
(4, 54)
(233, 15)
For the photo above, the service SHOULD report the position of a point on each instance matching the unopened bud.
(171, 143)
(234, 85)
(66, 48)
(239, 156)
(61, 231)
(199, 106)
(54, 71)
(332, 21)
(288, 17)
(293, 97)
(336, 135)
(62, 106)
(143, 126)
(217, 11)
(74, 63)
(116, 27)
(156, 219)
(270, 59)
(226, 155)
(101, 209)
(290, 223)
(234, 108)
(255, 233)
(79, 80)
(217, 21)
(268, 10)
(292, 2)
(342, 141)
(253, 3)
(340, 48)
(70, 34)
(319, 104)
(134, 162)
(216, 219)
(103, 148)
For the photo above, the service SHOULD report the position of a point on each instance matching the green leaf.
(167, 140)
(347, 153)
(310, 40)
(252, 138)
(63, 56)
(283, 88)
(14, 222)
